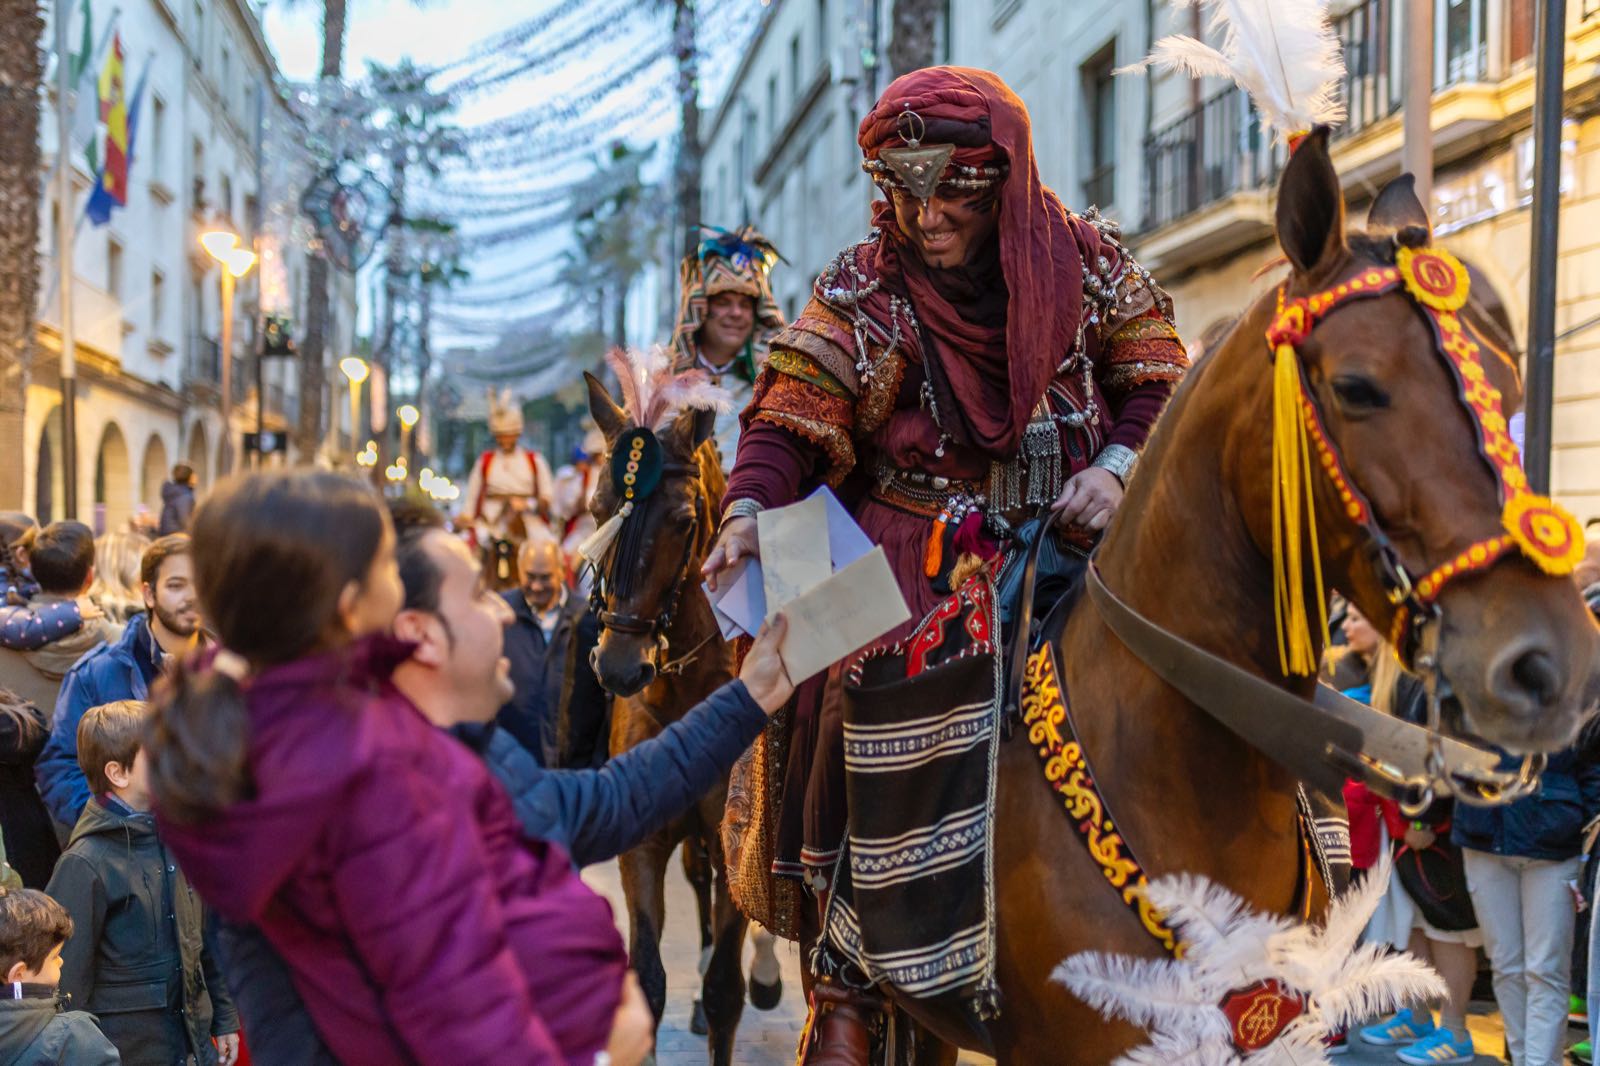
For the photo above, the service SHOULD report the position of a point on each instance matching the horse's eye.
(1358, 395)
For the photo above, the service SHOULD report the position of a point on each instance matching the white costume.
(501, 479)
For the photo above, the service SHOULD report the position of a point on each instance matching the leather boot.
(842, 1028)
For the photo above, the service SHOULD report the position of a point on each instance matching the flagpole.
(64, 235)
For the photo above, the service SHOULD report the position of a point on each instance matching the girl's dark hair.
(272, 552)
(14, 525)
(23, 716)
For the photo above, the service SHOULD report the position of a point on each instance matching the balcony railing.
(1209, 154)
(205, 359)
(1219, 148)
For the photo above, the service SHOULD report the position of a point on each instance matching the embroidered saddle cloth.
(913, 900)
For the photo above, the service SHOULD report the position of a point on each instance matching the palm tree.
(312, 350)
(911, 45)
(21, 71)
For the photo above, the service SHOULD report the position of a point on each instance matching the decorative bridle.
(638, 469)
(1534, 526)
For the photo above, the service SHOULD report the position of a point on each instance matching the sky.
(614, 34)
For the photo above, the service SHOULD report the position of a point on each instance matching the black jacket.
(552, 674)
(38, 1030)
(139, 957)
(30, 835)
(177, 504)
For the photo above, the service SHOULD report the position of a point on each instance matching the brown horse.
(660, 653)
(1191, 549)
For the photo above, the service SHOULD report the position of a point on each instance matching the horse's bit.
(1536, 528)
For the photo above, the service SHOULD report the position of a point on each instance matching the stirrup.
(839, 1027)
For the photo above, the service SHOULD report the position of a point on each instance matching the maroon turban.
(1007, 361)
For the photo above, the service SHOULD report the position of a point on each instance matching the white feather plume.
(652, 395)
(1228, 947)
(1284, 53)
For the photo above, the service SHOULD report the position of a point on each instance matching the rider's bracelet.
(1118, 459)
(744, 508)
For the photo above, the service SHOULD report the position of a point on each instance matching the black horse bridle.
(660, 624)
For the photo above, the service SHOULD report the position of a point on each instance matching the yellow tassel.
(1293, 523)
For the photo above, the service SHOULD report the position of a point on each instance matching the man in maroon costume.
(982, 354)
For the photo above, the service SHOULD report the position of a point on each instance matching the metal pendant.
(919, 168)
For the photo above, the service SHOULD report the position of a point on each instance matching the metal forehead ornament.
(919, 168)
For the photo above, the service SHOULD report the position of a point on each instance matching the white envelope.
(740, 602)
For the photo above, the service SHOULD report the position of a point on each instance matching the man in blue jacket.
(458, 678)
(122, 670)
(1522, 864)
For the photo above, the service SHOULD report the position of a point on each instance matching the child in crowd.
(24, 628)
(141, 960)
(305, 794)
(36, 1028)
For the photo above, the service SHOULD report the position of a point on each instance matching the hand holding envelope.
(818, 567)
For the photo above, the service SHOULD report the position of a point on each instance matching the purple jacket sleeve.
(28, 628)
(434, 943)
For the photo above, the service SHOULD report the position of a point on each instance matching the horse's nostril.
(1535, 672)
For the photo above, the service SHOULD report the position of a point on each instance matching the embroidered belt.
(918, 491)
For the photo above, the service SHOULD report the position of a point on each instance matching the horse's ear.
(1397, 210)
(607, 415)
(1311, 206)
(690, 429)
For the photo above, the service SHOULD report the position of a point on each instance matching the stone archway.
(49, 494)
(153, 473)
(199, 456)
(113, 486)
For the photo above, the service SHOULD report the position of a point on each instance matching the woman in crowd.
(1427, 909)
(116, 589)
(302, 793)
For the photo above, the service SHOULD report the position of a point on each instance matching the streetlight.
(356, 370)
(368, 456)
(408, 415)
(222, 244)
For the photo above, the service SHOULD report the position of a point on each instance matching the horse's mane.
(653, 394)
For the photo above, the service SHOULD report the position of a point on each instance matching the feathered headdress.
(1283, 53)
(652, 396)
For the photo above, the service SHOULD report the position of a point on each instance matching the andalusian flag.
(122, 126)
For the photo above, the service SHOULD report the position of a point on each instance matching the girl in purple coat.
(303, 794)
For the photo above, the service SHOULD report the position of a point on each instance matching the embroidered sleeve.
(797, 394)
(1142, 349)
(823, 335)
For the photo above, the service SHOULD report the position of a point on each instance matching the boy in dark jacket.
(141, 960)
(36, 1028)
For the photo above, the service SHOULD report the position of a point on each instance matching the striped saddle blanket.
(913, 901)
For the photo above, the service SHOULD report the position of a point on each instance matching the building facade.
(146, 301)
(1208, 174)
(780, 146)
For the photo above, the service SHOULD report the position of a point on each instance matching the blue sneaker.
(1439, 1049)
(1403, 1028)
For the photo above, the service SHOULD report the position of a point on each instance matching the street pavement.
(768, 1038)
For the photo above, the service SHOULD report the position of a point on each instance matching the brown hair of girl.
(272, 552)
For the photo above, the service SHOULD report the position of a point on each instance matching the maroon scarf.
(1004, 359)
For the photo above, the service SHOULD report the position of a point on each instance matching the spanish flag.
(121, 124)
